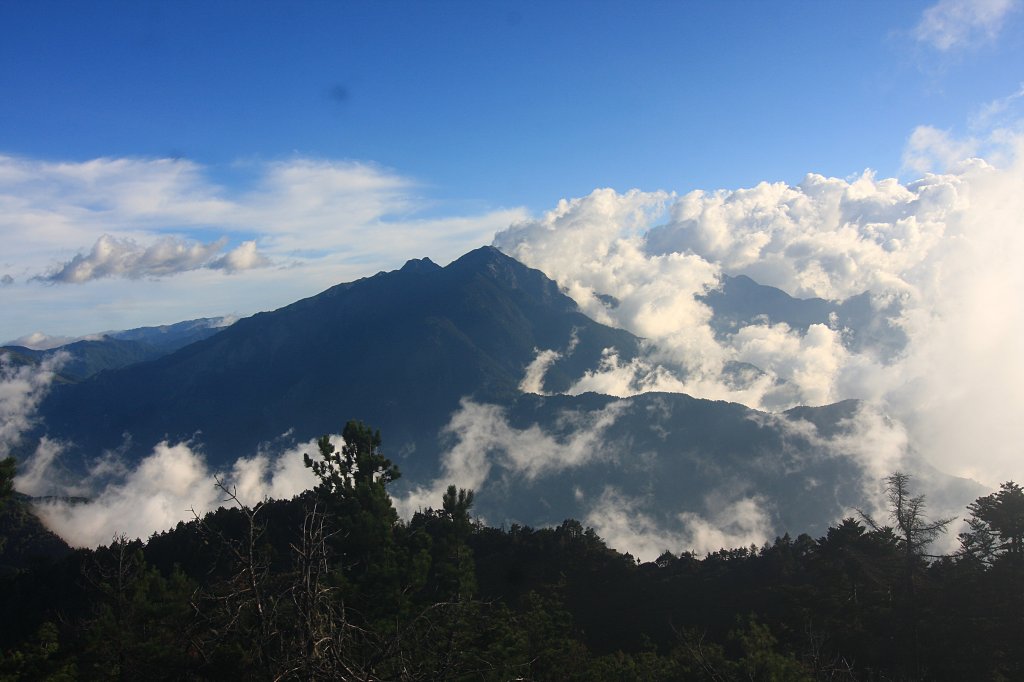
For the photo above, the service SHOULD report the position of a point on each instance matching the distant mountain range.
(116, 349)
(410, 351)
(740, 301)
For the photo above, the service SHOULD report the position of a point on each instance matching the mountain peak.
(490, 263)
(398, 350)
(420, 265)
(483, 256)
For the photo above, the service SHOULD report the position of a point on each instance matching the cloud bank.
(940, 257)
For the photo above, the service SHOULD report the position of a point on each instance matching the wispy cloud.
(1000, 113)
(21, 390)
(175, 224)
(930, 149)
(486, 446)
(994, 131)
(955, 24)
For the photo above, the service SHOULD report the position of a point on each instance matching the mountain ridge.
(116, 349)
(435, 357)
(470, 328)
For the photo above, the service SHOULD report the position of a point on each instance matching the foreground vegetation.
(332, 585)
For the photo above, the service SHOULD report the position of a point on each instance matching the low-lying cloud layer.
(484, 442)
(578, 449)
(487, 452)
(171, 484)
(623, 524)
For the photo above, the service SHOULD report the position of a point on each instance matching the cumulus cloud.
(624, 524)
(114, 257)
(955, 24)
(825, 237)
(594, 246)
(243, 257)
(939, 257)
(810, 361)
(169, 485)
(613, 244)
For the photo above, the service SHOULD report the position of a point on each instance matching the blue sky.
(459, 116)
(502, 103)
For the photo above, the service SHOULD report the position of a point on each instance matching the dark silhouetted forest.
(332, 585)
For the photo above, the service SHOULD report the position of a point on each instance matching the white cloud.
(243, 257)
(873, 440)
(613, 377)
(114, 257)
(657, 272)
(36, 476)
(595, 245)
(533, 380)
(954, 24)
(824, 237)
(811, 362)
(165, 487)
(931, 149)
(484, 440)
(153, 495)
(624, 525)
(21, 390)
(995, 127)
